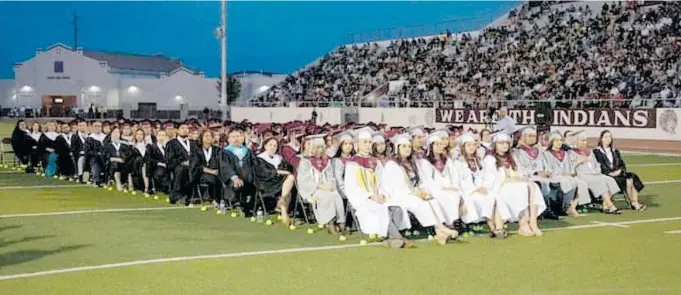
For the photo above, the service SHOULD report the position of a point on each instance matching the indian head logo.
(429, 117)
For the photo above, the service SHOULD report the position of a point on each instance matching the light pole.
(223, 55)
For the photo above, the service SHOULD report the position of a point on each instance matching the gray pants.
(396, 218)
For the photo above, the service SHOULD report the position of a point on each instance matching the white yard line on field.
(42, 186)
(268, 252)
(654, 165)
(610, 224)
(673, 232)
(91, 211)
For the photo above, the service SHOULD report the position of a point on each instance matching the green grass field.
(47, 248)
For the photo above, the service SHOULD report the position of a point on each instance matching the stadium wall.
(636, 124)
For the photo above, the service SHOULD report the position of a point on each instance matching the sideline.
(43, 186)
(92, 211)
(673, 232)
(271, 252)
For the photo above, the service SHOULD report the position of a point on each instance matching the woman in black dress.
(204, 166)
(613, 165)
(31, 147)
(137, 161)
(18, 142)
(116, 153)
(273, 176)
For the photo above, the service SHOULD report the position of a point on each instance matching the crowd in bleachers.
(604, 54)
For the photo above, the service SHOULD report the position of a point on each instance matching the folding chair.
(300, 203)
(355, 222)
(260, 200)
(197, 194)
(4, 151)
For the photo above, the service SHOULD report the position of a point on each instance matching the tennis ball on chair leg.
(292, 227)
(310, 231)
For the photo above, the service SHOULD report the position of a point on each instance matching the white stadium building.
(61, 77)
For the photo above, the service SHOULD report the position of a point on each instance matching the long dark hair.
(408, 164)
(600, 139)
(266, 141)
(431, 155)
(339, 151)
(202, 133)
(471, 158)
(375, 152)
(501, 160)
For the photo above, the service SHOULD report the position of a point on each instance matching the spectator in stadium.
(613, 165)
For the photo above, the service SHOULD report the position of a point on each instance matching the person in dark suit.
(236, 171)
(178, 152)
(157, 164)
(204, 166)
(612, 164)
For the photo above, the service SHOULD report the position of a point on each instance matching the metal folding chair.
(301, 203)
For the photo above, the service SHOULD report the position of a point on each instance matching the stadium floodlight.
(178, 97)
(26, 88)
(94, 89)
(133, 90)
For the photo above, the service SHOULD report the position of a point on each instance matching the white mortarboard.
(433, 137)
(317, 139)
(404, 138)
(527, 130)
(555, 135)
(576, 133)
(580, 134)
(416, 130)
(463, 139)
(444, 132)
(501, 136)
(345, 136)
(365, 133)
(378, 137)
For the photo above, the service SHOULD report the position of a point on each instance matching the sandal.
(641, 207)
(611, 211)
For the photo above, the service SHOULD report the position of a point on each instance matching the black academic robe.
(46, 146)
(135, 163)
(268, 181)
(157, 169)
(94, 156)
(124, 152)
(65, 163)
(176, 154)
(196, 164)
(33, 150)
(231, 166)
(617, 163)
(19, 145)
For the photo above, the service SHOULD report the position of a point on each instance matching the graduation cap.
(500, 137)
(463, 139)
(555, 135)
(106, 123)
(526, 130)
(365, 133)
(416, 130)
(379, 137)
(169, 124)
(317, 139)
(145, 122)
(346, 136)
(403, 138)
(433, 137)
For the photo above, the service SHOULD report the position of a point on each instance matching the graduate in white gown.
(344, 153)
(477, 199)
(439, 178)
(375, 215)
(516, 198)
(531, 161)
(317, 185)
(401, 185)
(589, 170)
(563, 170)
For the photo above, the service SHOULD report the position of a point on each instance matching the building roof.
(136, 62)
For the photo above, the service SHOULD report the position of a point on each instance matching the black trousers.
(181, 186)
(243, 196)
(214, 187)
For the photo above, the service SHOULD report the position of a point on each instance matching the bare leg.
(145, 179)
(607, 201)
(524, 225)
(534, 214)
(286, 198)
(572, 211)
(632, 194)
(131, 187)
(117, 179)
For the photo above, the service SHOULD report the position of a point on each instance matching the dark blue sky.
(270, 36)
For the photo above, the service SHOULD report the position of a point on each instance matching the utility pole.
(74, 22)
(223, 57)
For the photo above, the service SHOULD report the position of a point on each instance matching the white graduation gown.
(396, 186)
(325, 204)
(590, 172)
(512, 197)
(479, 206)
(567, 183)
(435, 183)
(360, 184)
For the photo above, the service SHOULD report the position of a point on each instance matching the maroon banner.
(626, 118)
